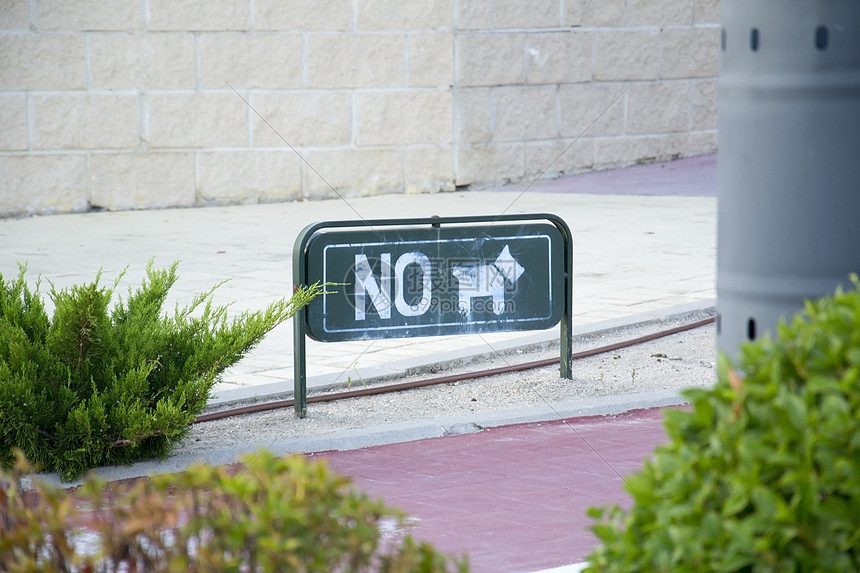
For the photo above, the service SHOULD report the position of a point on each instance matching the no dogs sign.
(433, 276)
(425, 282)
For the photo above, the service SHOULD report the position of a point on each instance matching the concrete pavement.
(644, 244)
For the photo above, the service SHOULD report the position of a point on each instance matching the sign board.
(434, 281)
(433, 276)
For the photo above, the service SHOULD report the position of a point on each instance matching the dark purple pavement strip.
(696, 177)
(513, 498)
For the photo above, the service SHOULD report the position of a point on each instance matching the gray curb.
(385, 434)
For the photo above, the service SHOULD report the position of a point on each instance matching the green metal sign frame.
(481, 252)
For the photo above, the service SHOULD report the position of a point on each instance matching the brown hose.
(451, 378)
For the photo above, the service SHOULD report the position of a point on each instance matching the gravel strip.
(671, 363)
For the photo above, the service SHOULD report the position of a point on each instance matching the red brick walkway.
(513, 498)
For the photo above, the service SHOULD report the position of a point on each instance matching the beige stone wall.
(133, 104)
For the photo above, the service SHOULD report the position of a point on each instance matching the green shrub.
(95, 386)
(276, 514)
(763, 473)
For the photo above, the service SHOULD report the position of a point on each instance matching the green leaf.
(763, 472)
(123, 382)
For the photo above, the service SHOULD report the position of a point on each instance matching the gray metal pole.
(789, 159)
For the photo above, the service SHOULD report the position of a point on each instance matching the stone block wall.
(132, 104)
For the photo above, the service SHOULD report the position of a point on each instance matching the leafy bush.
(277, 514)
(763, 473)
(94, 386)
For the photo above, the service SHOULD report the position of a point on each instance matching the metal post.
(566, 328)
(788, 172)
(300, 378)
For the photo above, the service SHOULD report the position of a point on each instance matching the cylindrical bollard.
(789, 160)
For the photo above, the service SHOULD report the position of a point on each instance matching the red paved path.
(513, 498)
